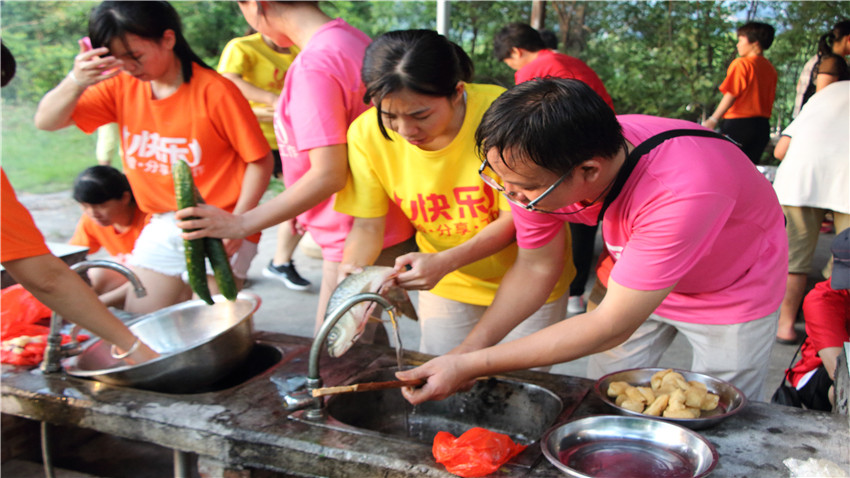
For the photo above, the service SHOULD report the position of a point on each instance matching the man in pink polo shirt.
(696, 233)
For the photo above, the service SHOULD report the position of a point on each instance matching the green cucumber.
(184, 192)
(215, 252)
(221, 266)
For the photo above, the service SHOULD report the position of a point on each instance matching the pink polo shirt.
(694, 213)
(322, 95)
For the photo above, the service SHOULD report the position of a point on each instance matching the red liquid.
(620, 458)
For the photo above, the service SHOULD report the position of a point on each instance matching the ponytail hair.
(150, 20)
(828, 39)
(422, 61)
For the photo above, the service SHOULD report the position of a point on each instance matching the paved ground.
(293, 312)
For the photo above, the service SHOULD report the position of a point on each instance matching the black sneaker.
(288, 275)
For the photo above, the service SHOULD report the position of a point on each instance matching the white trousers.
(736, 353)
(444, 323)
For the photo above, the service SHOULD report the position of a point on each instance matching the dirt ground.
(56, 214)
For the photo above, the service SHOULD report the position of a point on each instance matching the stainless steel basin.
(522, 410)
(199, 344)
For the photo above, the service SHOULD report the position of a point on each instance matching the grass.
(42, 161)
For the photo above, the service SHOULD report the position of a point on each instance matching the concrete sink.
(522, 410)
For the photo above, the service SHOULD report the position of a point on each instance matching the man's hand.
(445, 375)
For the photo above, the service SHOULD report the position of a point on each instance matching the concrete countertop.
(247, 426)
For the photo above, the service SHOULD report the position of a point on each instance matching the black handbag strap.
(643, 148)
(794, 358)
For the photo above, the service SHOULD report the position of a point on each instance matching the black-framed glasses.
(490, 178)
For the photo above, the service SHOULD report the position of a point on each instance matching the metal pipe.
(182, 464)
(314, 380)
(46, 451)
(54, 352)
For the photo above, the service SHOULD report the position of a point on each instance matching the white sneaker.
(576, 305)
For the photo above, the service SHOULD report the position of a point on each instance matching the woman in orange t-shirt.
(111, 220)
(169, 106)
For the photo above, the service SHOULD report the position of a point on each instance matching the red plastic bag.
(19, 308)
(478, 452)
(23, 338)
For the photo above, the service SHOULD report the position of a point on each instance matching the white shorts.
(444, 323)
(737, 353)
(160, 249)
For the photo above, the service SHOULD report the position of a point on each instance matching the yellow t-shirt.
(441, 194)
(252, 59)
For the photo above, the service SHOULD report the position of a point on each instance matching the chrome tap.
(300, 399)
(54, 352)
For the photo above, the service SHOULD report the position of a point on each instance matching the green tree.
(43, 37)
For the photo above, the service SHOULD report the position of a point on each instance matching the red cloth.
(827, 313)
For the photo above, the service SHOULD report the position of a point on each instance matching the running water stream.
(398, 357)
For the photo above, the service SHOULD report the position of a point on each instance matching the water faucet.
(314, 380)
(54, 352)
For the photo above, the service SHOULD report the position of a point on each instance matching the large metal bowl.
(198, 344)
(619, 446)
(732, 400)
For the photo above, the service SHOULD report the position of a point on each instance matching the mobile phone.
(86, 43)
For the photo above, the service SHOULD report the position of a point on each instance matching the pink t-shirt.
(696, 213)
(322, 95)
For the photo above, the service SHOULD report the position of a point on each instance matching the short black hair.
(554, 123)
(98, 184)
(516, 35)
(549, 39)
(758, 32)
(422, 61)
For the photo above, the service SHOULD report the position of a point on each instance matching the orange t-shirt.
(19, 236)
(752, 81)
(206, 122)
(94, 236)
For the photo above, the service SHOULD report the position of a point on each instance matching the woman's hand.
(346, 269)
(205, 220)
(425, 270)
(91, 68)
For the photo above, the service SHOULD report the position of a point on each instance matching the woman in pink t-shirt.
(322, 95)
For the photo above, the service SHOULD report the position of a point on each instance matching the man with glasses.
(696, 233)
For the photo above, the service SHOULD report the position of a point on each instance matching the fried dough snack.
(669, 395)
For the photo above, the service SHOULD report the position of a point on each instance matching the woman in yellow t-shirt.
(257, 66)
(420, 154)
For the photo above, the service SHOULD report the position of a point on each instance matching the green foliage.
(43, 37)
(661, 58)
(208, 26)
